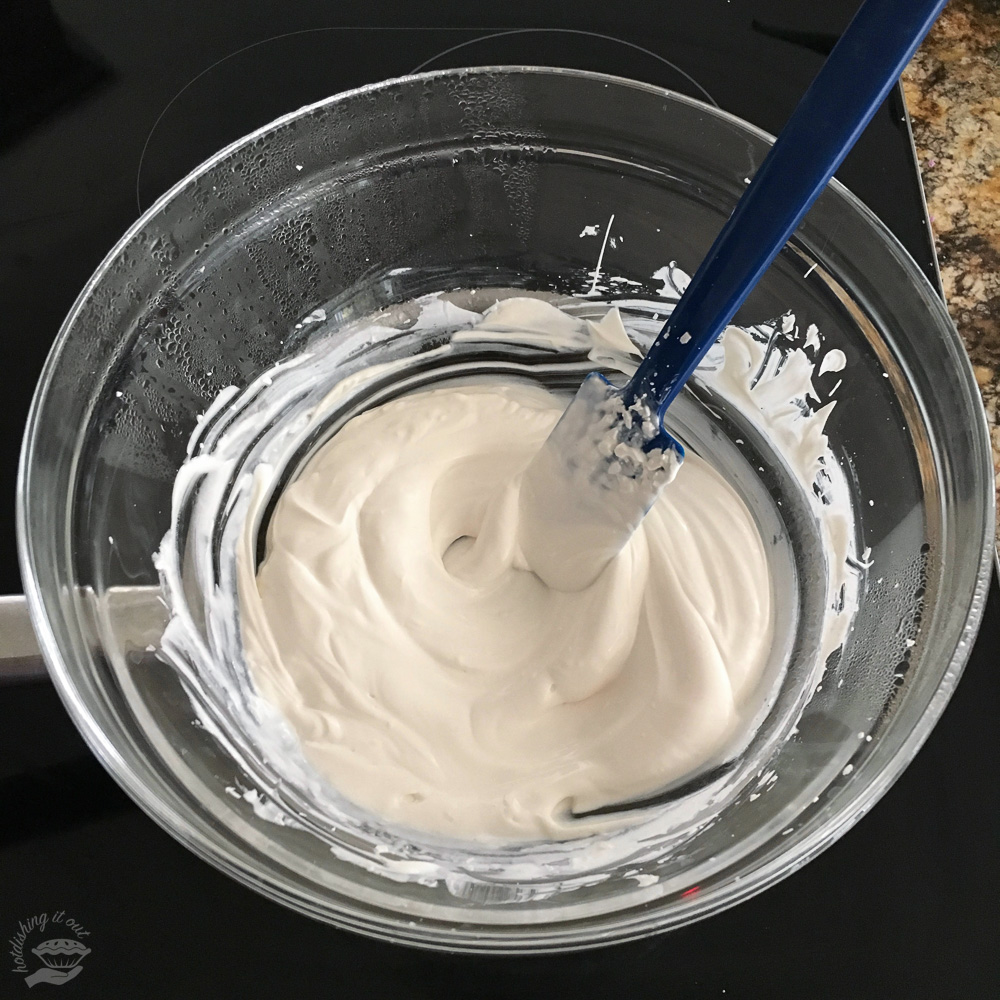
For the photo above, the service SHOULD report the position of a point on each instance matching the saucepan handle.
(20, 657)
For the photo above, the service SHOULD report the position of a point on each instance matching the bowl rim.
(612, 926)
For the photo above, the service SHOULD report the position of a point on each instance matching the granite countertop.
(952, 90)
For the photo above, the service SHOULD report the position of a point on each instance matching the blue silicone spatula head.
(609, 456)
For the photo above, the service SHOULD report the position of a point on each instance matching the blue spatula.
(607, 459)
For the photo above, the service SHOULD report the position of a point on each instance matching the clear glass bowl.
(465, 179)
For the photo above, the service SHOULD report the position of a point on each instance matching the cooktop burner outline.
(489, 35)
(568, 31)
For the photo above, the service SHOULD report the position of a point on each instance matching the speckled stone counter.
(953, 93)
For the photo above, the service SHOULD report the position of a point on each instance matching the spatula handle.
(840, 102)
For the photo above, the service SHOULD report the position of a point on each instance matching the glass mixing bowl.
(468, 179)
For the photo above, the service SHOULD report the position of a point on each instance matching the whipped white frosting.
(251, 442)
(439, 683)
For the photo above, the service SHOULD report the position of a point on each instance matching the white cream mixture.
(438, 682)
(383, 671)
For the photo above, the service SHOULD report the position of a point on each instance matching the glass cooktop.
(105, 105)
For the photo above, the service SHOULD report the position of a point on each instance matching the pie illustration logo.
(58, 953)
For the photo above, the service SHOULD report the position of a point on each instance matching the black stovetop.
(104, 106)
